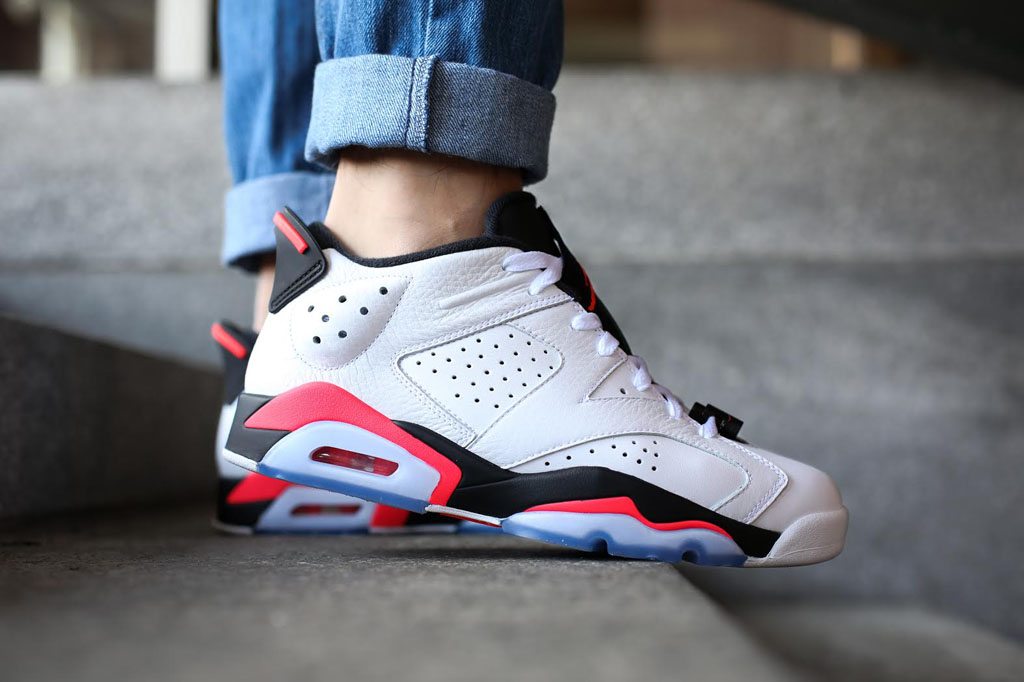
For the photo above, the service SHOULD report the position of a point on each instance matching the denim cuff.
(428, 105)
(249, 209)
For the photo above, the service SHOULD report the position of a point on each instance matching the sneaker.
(485, 380)
(249, 503)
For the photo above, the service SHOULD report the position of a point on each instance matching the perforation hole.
(316, 339)
(363, 311)
(309, 309)
(325, 318)
(342, 334)
(341, 299)
(622, 391)
(383, 291)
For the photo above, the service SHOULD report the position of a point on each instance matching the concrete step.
(159, 596)
(882, 643)
(674, 168)
(86, 424)
(903, 381)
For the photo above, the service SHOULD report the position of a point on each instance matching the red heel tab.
(300, 260)
(282, 223)
(227, 341)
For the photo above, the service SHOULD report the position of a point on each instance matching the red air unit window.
(354, 460)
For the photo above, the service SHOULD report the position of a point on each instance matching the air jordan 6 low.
(485, 380)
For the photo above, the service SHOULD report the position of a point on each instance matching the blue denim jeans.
(304, 79)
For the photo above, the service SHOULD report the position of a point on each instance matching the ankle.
(264, 287)
(391, 202)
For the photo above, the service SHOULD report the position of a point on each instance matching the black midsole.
(485, 488)
(247, 442)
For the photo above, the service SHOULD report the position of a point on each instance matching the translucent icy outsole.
(624, 536)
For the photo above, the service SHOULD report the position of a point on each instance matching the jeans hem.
(249, 209)
(429, 105)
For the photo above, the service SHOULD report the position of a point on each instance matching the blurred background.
(808, 213)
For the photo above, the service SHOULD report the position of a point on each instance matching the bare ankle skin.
(389, 202)
(264, 287)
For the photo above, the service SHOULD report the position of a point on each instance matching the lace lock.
(728, 425)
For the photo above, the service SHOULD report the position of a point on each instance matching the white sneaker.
(485, 380)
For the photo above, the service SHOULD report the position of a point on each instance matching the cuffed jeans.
(467, 78)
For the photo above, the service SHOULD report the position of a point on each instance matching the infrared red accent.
(593, 294)
(354, 460)
(388, 517)
(326, 509)
(321, 401)
(289, 231)
(626, 506)
(256, 488)
(230, 343)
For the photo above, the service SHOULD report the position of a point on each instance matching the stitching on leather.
(437, 343)
(780, 482)
(419, 394)
(593, 437)
(334, 368)
(295, 288)
(561, 363)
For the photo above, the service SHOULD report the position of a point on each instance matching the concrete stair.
(157, 596)
(87, 424)
(835, 259)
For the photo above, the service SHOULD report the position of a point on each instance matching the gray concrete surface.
(159, 596)
(881, 643)
(85, 424)
(126, 177)
(835, 259)
(903, 382)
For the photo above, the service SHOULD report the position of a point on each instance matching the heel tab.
(300, 260)
(236, 345)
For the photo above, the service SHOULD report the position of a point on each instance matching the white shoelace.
(551, 271)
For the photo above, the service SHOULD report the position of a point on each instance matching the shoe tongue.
(516, 217)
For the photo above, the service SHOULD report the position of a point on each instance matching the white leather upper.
(540, 397)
